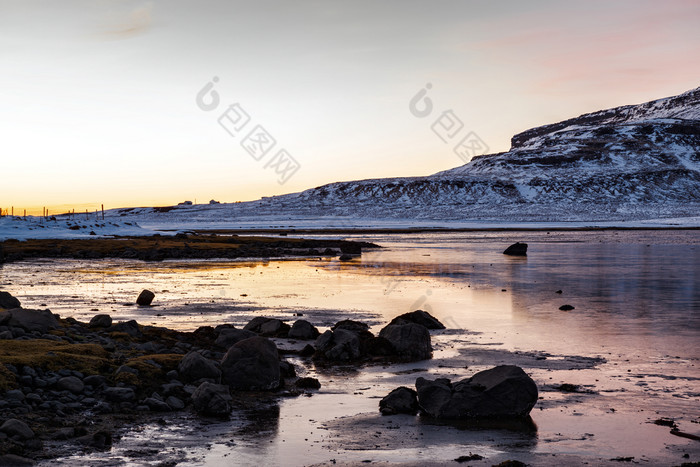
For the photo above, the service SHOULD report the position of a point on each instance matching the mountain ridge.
(625, 163)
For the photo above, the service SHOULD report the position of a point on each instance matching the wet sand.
(630, 346)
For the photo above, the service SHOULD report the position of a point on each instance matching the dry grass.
(52, 356)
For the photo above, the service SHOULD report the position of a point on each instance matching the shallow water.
(632, 340)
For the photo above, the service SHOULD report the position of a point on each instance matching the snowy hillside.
(64, 227)
(627, 163)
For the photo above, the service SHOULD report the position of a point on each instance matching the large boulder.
(338, 345)
(251, 365)
(411, 341)
(14, 427)
(194, 367)
(516, 249)
(29, 320)
(7, 301)
(505, 391)
(303, 330)
(419, 317)
(212, 399)
(400, 400)
(269, 327)
(229, 336)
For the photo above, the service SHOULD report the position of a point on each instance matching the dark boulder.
(8, 302)
(339, 345)
(505, 391)
(100, 321)
(252, 364)
(350, 248)
(229, 336)
(268, 327)
(378, 347)
(350, 325)
(145, 298)
(516, 249)
(419, 317)
(400, 400)
(567, 307)
(14, 427)
(287, 370)
(307, 351)
(411, 341)
(308, 383)
(212, 399)
(130, 327)
(29, 320)
(303, 330)
(194, 367)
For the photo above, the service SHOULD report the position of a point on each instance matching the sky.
(149, 103)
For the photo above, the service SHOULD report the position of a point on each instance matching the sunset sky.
(99, 97)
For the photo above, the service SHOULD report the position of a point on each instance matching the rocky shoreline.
(78, 383)
(179, 246)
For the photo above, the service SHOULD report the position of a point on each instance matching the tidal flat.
(623, 358)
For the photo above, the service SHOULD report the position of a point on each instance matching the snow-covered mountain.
(632, 162)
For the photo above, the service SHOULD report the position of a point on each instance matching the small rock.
(470, 457)
(145, 298)
(308, 383)
(516, 249)
(567, 307)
